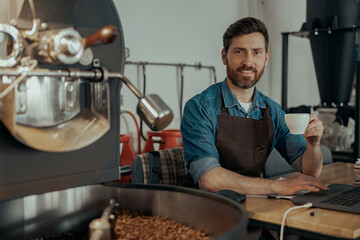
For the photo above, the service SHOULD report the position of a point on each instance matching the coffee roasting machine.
(333, 28)
(61, 72)
(62, 67)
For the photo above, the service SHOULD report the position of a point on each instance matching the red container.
(127, 156)
(168, 138)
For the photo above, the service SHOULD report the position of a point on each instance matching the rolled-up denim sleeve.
(201, 166)
(198, 129)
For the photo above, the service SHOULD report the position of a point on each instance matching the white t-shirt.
(246, 106)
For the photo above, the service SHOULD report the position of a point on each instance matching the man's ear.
(267, 55)
(223, 56)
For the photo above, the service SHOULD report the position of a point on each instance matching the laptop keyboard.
(347, 198)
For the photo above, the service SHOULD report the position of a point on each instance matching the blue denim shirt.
(200, 123)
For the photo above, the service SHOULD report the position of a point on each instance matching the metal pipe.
(54, 73)
(198, 66)
(285, 41)
(323, 30)
(33, 10)
(96, 75)
(144, 91)
(144, 79)
(181, 90)
(357, 98)
(357, 114)
(130, 86)
(214, 72)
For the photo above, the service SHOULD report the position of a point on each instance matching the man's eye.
(257, 52)
(239, 51)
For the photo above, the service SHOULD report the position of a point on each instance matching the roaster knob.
(71, 46)
(106, 34)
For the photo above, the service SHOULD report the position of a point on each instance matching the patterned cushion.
(172, 166)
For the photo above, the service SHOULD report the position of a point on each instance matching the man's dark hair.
(245, 26)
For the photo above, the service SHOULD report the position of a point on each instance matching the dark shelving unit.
(338, 156)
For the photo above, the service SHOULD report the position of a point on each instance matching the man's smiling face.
(246, 59)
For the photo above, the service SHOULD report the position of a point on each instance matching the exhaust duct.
(333, 51)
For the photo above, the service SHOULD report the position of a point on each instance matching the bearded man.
(230, 129)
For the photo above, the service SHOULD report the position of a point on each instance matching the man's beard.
(243, 82)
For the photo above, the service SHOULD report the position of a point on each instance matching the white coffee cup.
(297, 122)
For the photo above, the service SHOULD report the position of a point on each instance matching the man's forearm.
(220, 178)
(312, 160)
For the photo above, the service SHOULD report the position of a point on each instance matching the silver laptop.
(339, 197)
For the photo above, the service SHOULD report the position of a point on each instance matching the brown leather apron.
(244, 143)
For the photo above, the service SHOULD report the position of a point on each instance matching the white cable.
(33, 64)
(307, 205)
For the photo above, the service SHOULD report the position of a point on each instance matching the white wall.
(172, 31)
(190, 31)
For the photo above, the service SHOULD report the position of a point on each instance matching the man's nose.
(248, 60)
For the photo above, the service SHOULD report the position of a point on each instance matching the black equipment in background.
(333, 28)
(333, 51)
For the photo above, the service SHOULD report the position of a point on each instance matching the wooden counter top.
(328, 222)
